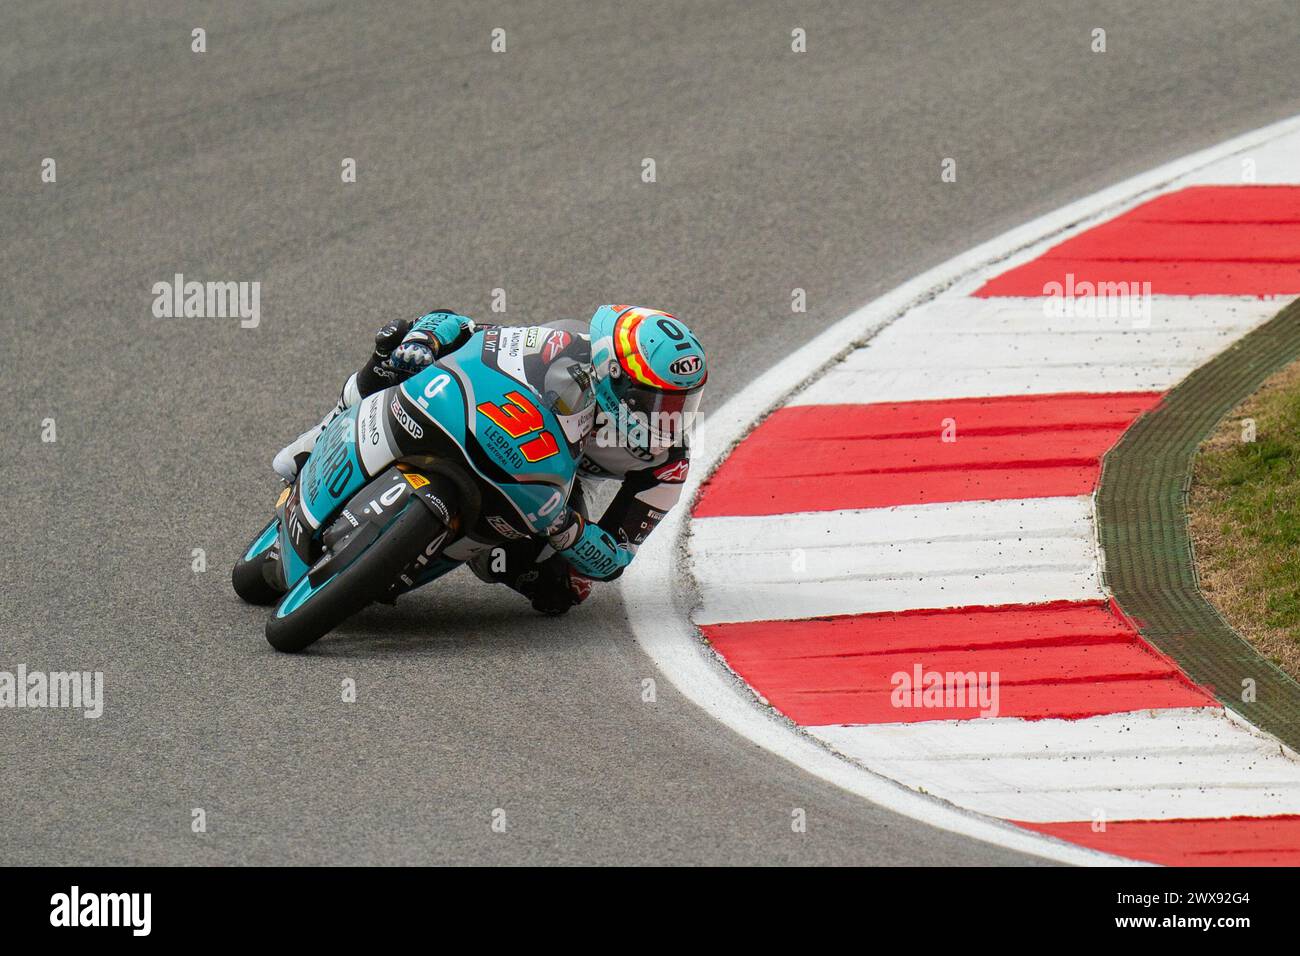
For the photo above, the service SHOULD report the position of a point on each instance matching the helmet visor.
(663, 419)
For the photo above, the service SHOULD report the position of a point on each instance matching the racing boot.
(293, 456)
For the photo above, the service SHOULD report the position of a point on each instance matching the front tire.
(308, 613)
(249, 576)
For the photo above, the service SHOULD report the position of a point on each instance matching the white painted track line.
(1271, 162)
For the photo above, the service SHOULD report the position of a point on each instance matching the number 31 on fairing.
(519, 417)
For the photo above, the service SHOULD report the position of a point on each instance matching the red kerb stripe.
(1063, 659)
(1202, 240)
(1230, 841)
(829, 457)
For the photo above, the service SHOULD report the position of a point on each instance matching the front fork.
(371, 510)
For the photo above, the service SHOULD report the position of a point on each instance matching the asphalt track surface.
(475, 171)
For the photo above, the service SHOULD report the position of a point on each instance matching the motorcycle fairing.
(478, 407)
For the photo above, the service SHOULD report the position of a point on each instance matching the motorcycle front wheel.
(249, 575)
(308, 612)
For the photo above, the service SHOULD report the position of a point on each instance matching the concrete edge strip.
(1143, 533)
(662, 572)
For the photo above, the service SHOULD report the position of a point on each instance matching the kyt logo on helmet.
(650, 371)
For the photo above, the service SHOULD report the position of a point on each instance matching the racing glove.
(377, 373)
(431, 335)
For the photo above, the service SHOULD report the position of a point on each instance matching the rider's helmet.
(650, 371)
(566, 382)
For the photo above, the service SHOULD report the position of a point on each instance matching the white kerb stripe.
(969, 348)
(1145, 765)
(815, 563)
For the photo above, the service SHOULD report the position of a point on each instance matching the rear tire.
(248, 577)
(360, 583)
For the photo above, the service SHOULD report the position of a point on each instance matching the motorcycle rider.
(649, 371)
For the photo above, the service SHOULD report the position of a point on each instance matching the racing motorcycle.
(474, 451)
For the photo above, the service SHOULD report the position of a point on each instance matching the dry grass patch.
(1245, 519)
